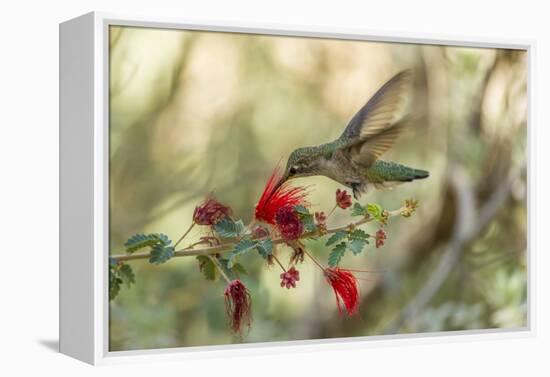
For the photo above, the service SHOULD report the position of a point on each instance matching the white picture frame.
(84, 189)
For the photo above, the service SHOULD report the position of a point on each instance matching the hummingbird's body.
(352, 159)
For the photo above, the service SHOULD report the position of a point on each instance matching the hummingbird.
(353, 159)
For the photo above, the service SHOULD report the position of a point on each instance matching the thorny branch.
(219, 249)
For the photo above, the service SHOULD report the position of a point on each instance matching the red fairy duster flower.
(343, 199)
(289, 224)
(345, 288)
(237, 306)
(277, 196)
(210, 211)
(290, 277)
(380, 237)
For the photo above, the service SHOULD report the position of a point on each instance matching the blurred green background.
(199, 112)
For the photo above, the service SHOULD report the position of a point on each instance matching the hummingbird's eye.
(293, 170)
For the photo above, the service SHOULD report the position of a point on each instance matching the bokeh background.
(199, 112)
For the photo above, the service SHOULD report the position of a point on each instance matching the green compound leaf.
(114, 286)
(207, 267)
(357, 245)
(265, 247)
(358, 240)
(224, 265)
(114, 280)
(337, 237)
(140, 241)
(239, 269)
(163, 238)
(234, 270)
(375, 210)
(227, 228)
(119, 274)
(161, 253)
(112, 262)
(127, 275)
(358, 210)
(307, 219)
(242, 247)
(336, 254)
(358, 234)
(309, 224)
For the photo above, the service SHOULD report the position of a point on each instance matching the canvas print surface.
(276, 188)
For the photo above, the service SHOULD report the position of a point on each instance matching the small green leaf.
(375, 210)
(356, 246)
(309, 224)
(265, 247)
(242, 247)
(114, 281)
(239, 269)
(119, 274)
(336, 254)
(358, 210)
(224, 262)
(307, 219)
(114, 287)
(161, 253)
(358, 234)
(112, 262)
(227, 228)
(336, 237)
(163, 238)
(235, 269)
(207, 267)
(301, 210)
(140, 241)
(127, 275)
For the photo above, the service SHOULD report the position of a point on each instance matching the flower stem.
(220, 269)
(355, 270)
(185, 234)
(195, 244)
(332, 210)
(314, 260)
(278, 262)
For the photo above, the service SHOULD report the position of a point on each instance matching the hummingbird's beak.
(278, 185)
(283, 179)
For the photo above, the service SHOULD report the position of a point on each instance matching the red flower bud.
(343, 199)
(259, 232)
(237, 306)
(321, 220)
(289, 278)
(210, 211)
(345, 288)
(380, 237)
(289, 224)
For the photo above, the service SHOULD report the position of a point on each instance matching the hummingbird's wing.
(371, 131)
(367, 152)
(379, 112)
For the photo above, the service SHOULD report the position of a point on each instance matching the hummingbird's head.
(302, 162)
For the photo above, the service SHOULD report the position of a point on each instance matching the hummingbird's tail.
(407, 174)
(385, 172)
(415, 174)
